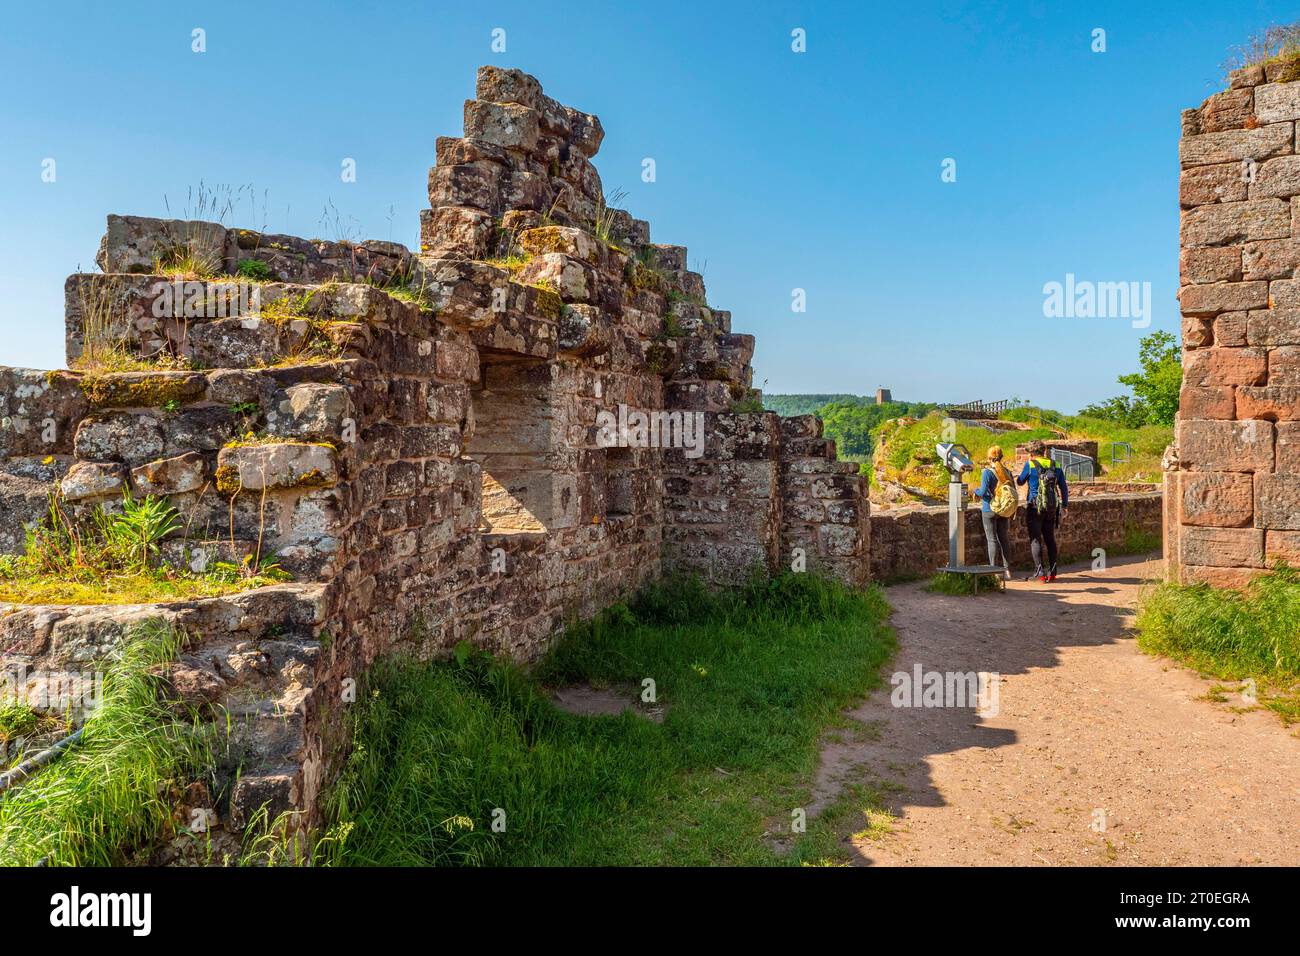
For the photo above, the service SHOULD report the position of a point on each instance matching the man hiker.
(1048, 498)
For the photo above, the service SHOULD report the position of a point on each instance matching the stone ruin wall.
(429, 471)
(1232, 480)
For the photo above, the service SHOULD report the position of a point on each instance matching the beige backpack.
(1005, 502)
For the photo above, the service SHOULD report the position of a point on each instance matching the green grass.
(112, 793)
(960, 585)
(749, 681)
(1232, 635)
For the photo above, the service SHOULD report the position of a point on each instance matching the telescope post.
(956, 520)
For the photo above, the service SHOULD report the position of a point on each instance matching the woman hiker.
(998, 502)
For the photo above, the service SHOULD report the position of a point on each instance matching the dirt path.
(1085, 723)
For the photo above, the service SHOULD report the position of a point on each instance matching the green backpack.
(1047, 493)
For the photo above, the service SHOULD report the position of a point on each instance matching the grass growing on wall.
(112, 792)
(749, 681)
(1232, 635)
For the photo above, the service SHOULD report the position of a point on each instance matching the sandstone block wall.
(913, 543)
(1232, 481)
(416, 436)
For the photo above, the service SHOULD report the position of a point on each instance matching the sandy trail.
(1088, 729)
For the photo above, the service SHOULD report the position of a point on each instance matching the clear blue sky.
(778, 170)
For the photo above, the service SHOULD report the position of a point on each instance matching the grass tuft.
(112, 793)
(961, 585)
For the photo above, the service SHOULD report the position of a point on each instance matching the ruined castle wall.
(423, 439)
(1232, 485)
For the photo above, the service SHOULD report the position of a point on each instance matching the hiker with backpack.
(998, 503)
(1045, 506)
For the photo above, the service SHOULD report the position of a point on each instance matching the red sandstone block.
(1225, 445)
(1217, 500)
(1272, 403)
(1288, 448)
(1277, 502)
(1282, 546)
(1224, 224)
(1270, 258)
(1222, 547)
(1203, 185)
(1214, 297)
(1230, 329)
(1235, 145)
(1197, 332)
(1225, 366)
(1213, 402)
(1272, 327)
(1211, 264)
(1237, 578)
(1284, 365)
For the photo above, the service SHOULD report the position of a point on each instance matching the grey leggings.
(997, 534)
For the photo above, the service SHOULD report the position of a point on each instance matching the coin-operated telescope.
(956, 459)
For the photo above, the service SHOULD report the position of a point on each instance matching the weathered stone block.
(1273, 327)
(508, 86)
(456, 230)
(1277, 102)
(1225, 366)
(1288, 448)
(1225, 445)
(1230, 330)
(1202, 185)
(1284, 365)
(1236, 145)
(92, 479)
(120, 436)
(1218, 500)
(1233, 222)
(1270, 259)
(170, 476)
(1222, 547)
(316, 410)
(1211, 264)
(1277, 502)
(509, 125)
(1274, 403)
(1213, 297)
(1282, 546)
(1278, 177)
(1210, 402)
(285, 465)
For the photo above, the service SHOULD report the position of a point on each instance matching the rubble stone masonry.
(1232, 479)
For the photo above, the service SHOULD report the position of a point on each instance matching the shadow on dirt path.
(1095, 754)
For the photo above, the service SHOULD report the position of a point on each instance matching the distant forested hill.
(806, 404)
(849, 419)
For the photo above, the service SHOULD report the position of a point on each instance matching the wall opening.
(514, 442)
(619, 482)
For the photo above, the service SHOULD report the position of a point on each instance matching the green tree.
(1158, 383)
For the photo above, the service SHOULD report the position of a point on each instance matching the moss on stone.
(154, 391)
(549, 303)
(658, 357)
(227, 480)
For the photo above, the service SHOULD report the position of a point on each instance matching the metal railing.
(1128, 452)
(980, 407)
(1076, 467)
